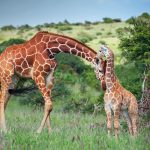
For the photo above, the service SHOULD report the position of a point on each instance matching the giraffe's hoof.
(3, 130)
(49, 131)
(38, 131)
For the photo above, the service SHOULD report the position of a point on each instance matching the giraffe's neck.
(58, 43)
(110, 77)
(103, 83)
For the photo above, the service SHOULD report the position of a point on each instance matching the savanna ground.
(71, 131)
(73, 124)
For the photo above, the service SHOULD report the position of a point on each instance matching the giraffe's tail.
(0, 89)
(22, 90)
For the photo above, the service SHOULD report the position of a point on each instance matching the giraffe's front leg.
(47, 110)
(45, 86)
(3, 98)
(2, 116)
(109, 119)
(133, 113)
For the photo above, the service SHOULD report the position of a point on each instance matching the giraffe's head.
(101, 58)
(100, 67)
(104, 52)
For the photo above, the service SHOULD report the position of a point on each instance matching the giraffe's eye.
(97, 60)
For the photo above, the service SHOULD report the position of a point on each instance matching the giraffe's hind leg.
(133, 113)
(45, 86)
(128, 119)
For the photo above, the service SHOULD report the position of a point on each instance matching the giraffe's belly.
(27, 72)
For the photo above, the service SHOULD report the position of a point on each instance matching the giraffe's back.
(18, 59)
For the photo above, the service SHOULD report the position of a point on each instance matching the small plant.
(102, 42)
(84, 37)
(64, 27)
(99, 33)
(109, 33)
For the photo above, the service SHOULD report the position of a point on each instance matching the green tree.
(135, 46)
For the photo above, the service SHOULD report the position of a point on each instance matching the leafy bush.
(99, 33)
(5, 44)
(87, 22)
(84, 37)
(143, 16)
(48, 25)
(110, 20)
(24, 27)
(130, 78)
(64, 27)
(9, 27)
(82, 99)
(77, 23)
(117, 20)
(107, 20)
(102, 42)
(135, 43)
(109, 33)
(66, 21)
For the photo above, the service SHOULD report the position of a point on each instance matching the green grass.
(70, 131)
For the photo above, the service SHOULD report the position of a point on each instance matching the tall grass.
(71, 131)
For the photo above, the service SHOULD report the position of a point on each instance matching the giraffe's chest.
(113, 100)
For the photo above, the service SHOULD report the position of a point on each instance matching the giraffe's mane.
(63, 36)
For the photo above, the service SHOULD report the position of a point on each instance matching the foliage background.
(77, 95)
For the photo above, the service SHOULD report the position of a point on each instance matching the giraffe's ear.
(104, 50)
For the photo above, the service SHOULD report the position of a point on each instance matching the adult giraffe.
(36, 59)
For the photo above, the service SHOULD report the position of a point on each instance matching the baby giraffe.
(116, 98)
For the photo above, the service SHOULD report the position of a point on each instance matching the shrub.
(109, 33)
(99, 33)
(5, 44)
(64, 27)
(25, 27)
(96, 22)
(144, 16)
(130, 77)
(78, 23)
(7, 28)
(107, 20)
(84, 37)
(102, 42)
(87, 22)
(66, 21)
(117, 20)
